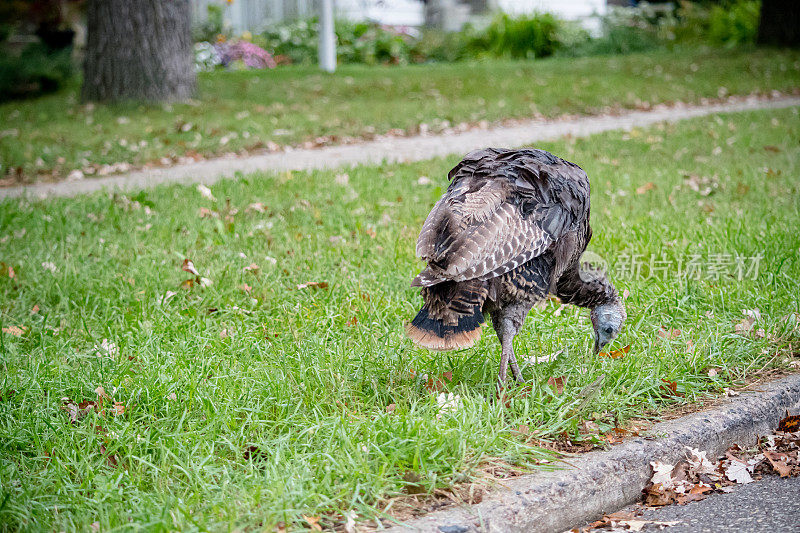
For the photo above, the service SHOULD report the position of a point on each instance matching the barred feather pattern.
(509, 225)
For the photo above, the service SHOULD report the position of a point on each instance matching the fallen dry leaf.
(744, 326)
(313, 285)
(737, 472)
(256, 207)
(17, 331)
(670, 333)
(538, 360)
(670, 387)
(448, 403)
(205, 192)
(119, 408)
(662, 474)
(391, 408)
(252, 268)
(313, 522)
(557, 383)
(188, 266)
(616, 354)
(779, 462)
(649, 186)
(350, 521)
(789, 423)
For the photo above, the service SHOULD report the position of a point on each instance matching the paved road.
(393, 149)
(769, 505)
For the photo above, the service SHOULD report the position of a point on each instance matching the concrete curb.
(394, 149)
(600, 482)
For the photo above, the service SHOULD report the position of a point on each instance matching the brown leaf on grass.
(557, 383)
(391, 408)
(256, 207)
(252, 268)
(7, 271)
(789, 423)
(670, 387)
(34, 309)
(649, 186)
(101, 394)
(745, 326)
(616, 354)
(313, 285)
(771, 148)
(119, 408)
(111, 459)
(352, 321)
(438, 384)
(77, 412)
(413, 483)
(188, 266)
(671, 333)
(7, 394)
(17, 331)
(313, 522)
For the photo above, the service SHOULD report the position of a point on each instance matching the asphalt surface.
(769, 505)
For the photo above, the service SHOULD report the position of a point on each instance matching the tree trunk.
(138, 50)
(780, 23)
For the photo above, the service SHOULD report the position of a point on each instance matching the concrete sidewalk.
(396, 149)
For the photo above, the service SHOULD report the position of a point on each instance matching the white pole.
(327, 38)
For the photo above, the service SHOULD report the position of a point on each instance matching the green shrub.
(35, 71)
(520, 37)
(734, 23)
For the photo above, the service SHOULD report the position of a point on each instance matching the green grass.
(245, 408)
(238, 111)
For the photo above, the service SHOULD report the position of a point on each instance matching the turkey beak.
(597, 344)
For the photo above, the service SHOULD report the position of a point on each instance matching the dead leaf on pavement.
(779, 462)
(737, 471)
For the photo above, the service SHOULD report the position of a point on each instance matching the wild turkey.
(510, 230)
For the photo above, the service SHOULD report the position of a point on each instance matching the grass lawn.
(249, 401)
(238, 111)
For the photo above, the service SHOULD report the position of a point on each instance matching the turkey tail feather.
(452, 316)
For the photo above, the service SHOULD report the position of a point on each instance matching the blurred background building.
(450, 15)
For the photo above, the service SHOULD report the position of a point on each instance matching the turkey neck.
(586, 288)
